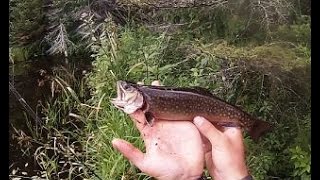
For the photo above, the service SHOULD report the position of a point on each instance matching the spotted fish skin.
(170, 103)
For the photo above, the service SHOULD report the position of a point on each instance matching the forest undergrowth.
(263, 68)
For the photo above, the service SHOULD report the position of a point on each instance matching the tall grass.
(262, 79)
(270, 80)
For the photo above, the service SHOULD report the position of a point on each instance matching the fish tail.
(259, 128)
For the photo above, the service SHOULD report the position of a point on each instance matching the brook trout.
(183, 104)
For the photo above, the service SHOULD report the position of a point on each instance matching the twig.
(24, 104)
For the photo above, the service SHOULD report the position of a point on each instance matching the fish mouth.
(120, 90)
(128, 98)
(119, 100)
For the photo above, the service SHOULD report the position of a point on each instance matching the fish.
(184, 104)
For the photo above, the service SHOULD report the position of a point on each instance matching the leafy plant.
(302, 162)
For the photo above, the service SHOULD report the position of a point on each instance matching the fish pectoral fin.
(149, 117)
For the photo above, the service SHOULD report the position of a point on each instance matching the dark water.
(30, 80)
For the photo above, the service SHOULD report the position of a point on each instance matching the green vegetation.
(26, 28)
(262, 79)
(262, 65)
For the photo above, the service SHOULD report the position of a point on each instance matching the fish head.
(129, 98)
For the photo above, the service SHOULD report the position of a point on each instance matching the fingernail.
(114, 142)
(198, 121)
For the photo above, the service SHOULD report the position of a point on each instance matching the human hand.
(173, 149)
(224, 151)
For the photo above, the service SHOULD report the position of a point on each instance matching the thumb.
(132, 153)
(208, 130)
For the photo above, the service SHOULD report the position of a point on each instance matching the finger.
(233, 133)
(156, 83)
(206, 144)
(235, 136)
(139, 119)
(130, 152)
(208, 130)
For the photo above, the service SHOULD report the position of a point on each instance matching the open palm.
(173, 149)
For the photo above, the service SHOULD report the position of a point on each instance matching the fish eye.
(127, 87)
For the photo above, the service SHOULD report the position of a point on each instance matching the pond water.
(29, 81)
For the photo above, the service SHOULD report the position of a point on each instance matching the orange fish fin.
(259, 128)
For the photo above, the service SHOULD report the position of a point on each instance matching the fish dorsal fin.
(200, 90)
(194, 89)
(203, 91)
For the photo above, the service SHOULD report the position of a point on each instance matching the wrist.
(230, 174)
